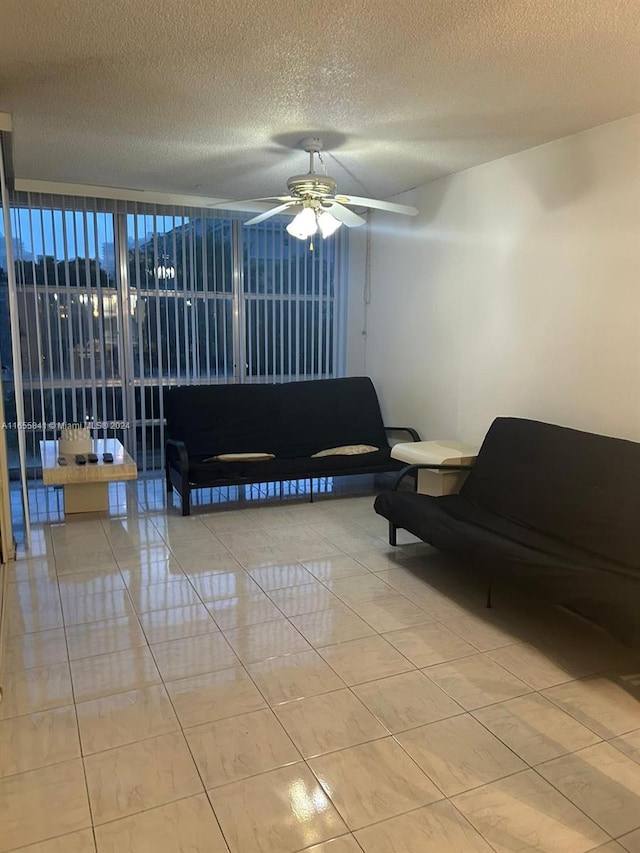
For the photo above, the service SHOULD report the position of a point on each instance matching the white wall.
(516, 291)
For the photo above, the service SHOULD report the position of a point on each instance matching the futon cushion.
(322, 413)
(452, 523)
(214, 419)
(289, 419)
(207, 473)
(577, 487)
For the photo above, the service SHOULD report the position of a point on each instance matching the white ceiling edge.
(6, 122)
(115, 193)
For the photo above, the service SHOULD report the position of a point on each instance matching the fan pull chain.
(322, 163)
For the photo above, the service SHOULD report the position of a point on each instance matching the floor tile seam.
(164, 609)
(227, 552)
(587, 725)
(270, 565)
(188, 636)
(337, 690)
(102, 653)
(301, 698)
(298, 760)
(146, 644)
(346, 604)
(430, 620)
(105, 619)
(249, 625)
(492, 734)
(49, 763)
(576, 806)
(348, 834)
(417, 809)
(268, 704)
(317, 650)
(425, 669)
(243, 569)
(10, 635)
(366, 681)
(6, 672)
(135, 568)
(188, 745)
(344, 820)
(528, 763)
(511, 669)
(109, 549)
(322, 609)
(48, 708)
(334, 751)
(72, 593)
(511, 642)
(584, 749)
(89, 828)
(616, 747)
(97, 826)
(396, 734)
(84, 755)
(75, 710)
(466, 656)
(119, 691)
(239, 595)
(435, 622)
(177, 640)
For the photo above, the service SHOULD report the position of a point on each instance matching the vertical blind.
(118, 301)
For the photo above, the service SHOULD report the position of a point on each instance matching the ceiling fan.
(314, 200)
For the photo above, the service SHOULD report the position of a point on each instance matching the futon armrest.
(177, 450)
(412, 432)
(411, 469)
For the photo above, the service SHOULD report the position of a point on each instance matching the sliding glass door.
(118, 303)
(69, 323)
(180, 314)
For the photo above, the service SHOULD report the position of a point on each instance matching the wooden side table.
(440, 452)
(86, 487)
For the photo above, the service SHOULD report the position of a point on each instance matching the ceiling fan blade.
(238, 205)
(379, 205)
(269, 213)
(343, 214)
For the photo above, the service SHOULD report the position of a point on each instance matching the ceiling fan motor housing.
(312, 186)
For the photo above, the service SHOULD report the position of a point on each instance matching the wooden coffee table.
(86, 487)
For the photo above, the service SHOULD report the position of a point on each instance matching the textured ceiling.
(210, 97)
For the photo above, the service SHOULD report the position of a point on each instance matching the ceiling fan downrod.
(312, 185)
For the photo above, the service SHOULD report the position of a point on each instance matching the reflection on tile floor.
(271, 676)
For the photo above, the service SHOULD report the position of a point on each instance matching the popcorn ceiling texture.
(209, 97)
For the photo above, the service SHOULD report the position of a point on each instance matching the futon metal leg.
(186, 500)
(489, 593)
(393, 539)
(311, 490)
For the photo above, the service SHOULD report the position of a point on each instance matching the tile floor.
(275, 678)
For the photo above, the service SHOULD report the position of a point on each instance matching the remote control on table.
(62, 460)
(107, 457)
(92, 457)
(81, 459)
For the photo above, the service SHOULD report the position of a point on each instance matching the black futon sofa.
(291, 420)
(555, 507)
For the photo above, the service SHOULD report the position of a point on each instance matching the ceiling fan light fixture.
(304, 225)
(327, 224)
